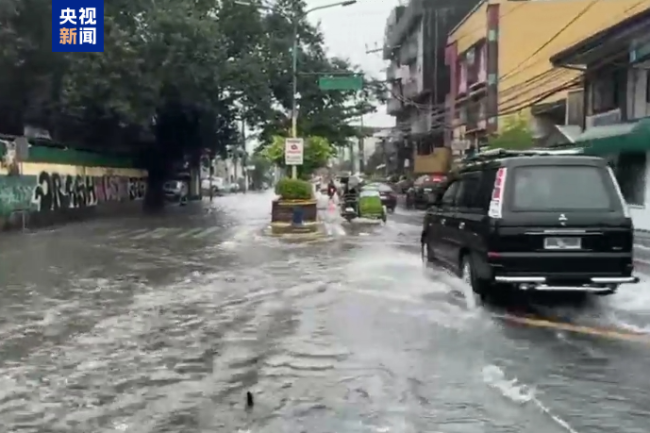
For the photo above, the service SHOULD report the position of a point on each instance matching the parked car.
(176, 191)
(403, 185)
(388, 196)
(423, 191)
(535, 221)
(216, 183)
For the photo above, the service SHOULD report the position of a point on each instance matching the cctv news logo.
(78, 26)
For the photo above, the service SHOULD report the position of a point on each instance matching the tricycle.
(359, 203)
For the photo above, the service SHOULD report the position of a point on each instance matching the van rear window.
(565, 187)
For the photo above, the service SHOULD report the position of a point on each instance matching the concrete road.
(163, 324)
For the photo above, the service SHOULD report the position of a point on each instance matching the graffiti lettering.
(137, 188)
(54, 192)
(115, 188)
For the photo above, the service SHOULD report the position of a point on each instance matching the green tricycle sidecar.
(370, 205)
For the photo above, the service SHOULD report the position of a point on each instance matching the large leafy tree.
(515, 135)
(174, 78)
(317, 153)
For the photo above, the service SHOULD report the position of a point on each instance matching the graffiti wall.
(45, 188)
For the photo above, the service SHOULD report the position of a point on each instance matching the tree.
(325, 114)
(261, 172)
(375, 160)
(515, 136)
(174, 78)
(317, 153)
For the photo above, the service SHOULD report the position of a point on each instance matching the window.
(449, 197)
(425, 147)
(557, 188)
(606, 91)
(484, 193)
(631, 173)
(468, 190)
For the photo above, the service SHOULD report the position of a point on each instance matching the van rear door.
(565, 214)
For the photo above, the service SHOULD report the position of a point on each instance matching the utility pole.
(294, 68)
(384, 143)
(245, 155)
(294, 85)
(361, 148)
(211, 173)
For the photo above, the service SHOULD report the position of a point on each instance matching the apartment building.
(499, 54)
(616, 117)
(415, 40)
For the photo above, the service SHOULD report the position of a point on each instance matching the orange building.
(499, 61)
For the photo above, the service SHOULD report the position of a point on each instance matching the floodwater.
(164, 324)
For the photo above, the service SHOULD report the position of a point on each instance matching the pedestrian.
(331, 189)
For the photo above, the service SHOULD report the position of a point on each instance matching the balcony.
(408, 53)
(476, 118)
(410, 89)
(462, 80)
(478, 78)
(414, 10)
(394, 17)
(482, 74)
(392, 73)
(472, 119)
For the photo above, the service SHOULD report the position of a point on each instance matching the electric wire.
(516, 70)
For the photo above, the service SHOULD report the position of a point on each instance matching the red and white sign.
(294, 151)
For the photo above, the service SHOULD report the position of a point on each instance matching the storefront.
(626, 147)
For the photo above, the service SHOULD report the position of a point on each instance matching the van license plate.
(562, 243)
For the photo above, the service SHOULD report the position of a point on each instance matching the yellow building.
(498, 56)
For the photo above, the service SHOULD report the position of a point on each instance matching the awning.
(617, 138)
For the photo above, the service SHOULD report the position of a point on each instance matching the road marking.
(162, 232)
(206, 232)
(190, 232)
(154, 234)
(135, 233)
(578, 329)
(122, 233)
(147, 234)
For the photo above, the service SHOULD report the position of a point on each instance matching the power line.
(554, 37)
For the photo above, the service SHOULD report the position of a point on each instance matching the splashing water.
(519, 393)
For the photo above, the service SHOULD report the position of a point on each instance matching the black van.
(534, 219)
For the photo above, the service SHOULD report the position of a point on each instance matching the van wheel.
(468, 275)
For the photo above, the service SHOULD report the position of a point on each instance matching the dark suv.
(534, 220)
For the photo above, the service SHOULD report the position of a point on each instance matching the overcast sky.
(350, 32)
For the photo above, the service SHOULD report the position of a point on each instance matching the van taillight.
(496, 204)
(619, 194)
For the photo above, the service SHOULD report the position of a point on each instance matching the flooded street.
(163, 324)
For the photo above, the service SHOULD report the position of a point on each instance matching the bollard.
(297, 216)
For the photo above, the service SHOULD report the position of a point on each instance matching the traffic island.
(295, 211)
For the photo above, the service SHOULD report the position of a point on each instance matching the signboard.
(341, 82)
(293, 151)
(77, 26)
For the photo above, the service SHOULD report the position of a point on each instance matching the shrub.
(294, 189)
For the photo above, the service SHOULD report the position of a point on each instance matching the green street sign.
(341, 82)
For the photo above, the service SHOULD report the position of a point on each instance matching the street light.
(294, 63)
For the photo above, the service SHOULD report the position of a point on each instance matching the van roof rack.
(492, 154)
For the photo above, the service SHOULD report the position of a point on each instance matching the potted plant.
(294, 196)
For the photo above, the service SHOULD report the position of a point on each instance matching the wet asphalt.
(163, 324)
